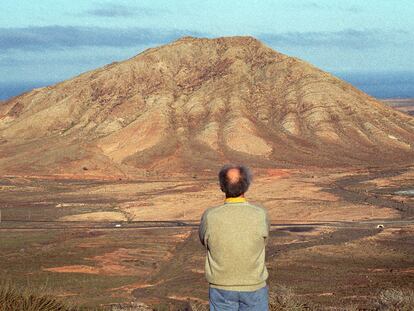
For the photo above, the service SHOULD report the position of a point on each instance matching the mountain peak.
(219, 39)
(231, 41)
(194, 104)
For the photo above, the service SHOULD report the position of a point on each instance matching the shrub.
(198, 306)
(396, 300)
(282, 298)
(13, 298)
(132, 306)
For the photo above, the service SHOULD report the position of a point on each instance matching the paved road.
(67, 225)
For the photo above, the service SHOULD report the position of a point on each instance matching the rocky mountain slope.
(193, 104)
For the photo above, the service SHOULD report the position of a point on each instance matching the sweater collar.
(235, 200)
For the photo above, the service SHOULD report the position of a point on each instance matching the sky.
(369, 43)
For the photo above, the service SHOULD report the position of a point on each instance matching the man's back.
(235, 235)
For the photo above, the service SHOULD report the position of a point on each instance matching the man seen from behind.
(235, 235)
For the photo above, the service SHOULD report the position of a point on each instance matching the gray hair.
(234, 189)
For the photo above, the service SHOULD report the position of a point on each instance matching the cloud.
(349, 38)
(312, 5)
(63, 37)
(60, 37)
(120, 10)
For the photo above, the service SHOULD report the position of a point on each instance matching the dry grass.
(396, 300)
(198, 306)
(13, 298)
(133, 306)
(283, 298)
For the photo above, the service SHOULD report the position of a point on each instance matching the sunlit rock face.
(194, 104)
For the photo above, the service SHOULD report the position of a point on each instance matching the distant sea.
(10, 89)
(381, 85)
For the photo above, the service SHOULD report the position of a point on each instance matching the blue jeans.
(228, 300)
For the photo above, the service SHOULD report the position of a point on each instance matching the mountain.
(193, 104)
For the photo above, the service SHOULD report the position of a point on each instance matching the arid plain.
(324, 244)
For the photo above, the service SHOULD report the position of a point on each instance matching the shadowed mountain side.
(194, 104)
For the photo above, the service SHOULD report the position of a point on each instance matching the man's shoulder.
(218, 208)
(257, 206)
(212, 209)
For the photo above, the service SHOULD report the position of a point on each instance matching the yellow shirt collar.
(235, 200)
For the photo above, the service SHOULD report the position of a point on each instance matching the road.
(68, 225)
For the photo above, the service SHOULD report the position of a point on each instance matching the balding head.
(233, 175)
(234, 180)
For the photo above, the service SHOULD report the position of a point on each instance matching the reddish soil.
(324, 260)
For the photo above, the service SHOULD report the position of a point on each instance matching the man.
(235, 235)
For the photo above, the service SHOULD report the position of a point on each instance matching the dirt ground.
(101, 242)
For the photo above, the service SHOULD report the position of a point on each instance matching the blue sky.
(45, 41)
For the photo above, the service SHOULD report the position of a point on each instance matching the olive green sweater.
(235, 235)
